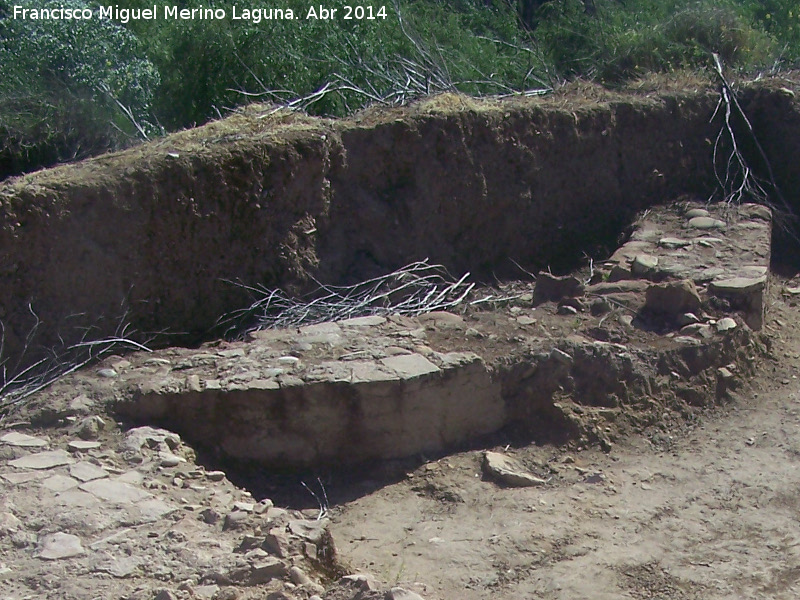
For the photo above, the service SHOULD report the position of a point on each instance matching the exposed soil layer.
(702, 508)
(153, 236)
(663, 327)
(645, 344)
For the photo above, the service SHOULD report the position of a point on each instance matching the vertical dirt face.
(151, 234)
(473, 189)
(774, 114)
(151, 241)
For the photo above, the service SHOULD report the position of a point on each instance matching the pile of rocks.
(131, 515)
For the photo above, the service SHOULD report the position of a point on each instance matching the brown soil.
(700, 509)
(153, 236)
(700, 503)
(701, 506)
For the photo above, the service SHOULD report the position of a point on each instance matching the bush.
(208, 67)
(69, 91)
(630, 39)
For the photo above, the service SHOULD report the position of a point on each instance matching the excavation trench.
(152, 237)
(571, 358)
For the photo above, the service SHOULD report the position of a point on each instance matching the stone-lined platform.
(723, 248)
(664, 325)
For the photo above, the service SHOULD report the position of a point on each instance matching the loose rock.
(398, 593)
(551, 288)
(706, 223)
(644, 264)
(60, 545)
(508, 471)
(726, 324)
(673, 298)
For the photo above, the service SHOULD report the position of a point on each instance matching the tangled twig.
(739, 181)
(412, 290)
(18, 383)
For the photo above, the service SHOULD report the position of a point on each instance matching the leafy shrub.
(69, 89)
(627, 40)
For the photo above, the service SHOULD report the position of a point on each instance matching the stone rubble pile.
(128, 511)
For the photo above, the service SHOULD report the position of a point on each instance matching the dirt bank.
(152, 235)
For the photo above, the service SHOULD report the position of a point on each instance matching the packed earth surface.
(688, 493)
(624, 425)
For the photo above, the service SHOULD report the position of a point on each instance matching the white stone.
(508, 471)
(114, 491)
(215, 475)
(43, 460)
(23, 440)
(60, 545)
(169, 460)
(687, 319)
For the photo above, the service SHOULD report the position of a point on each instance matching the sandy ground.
(709, 511)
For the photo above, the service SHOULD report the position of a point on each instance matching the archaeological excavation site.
(537, 347)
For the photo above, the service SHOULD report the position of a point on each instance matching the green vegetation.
(69, 89)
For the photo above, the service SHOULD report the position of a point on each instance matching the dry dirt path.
(708, 512)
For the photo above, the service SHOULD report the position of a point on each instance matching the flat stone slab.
(59, 483)
(60, 545)
(20, 478)
(150, 510)
(115, 491)
(23, 440)
(43, 460)
(86, 471)
(410, 365)
(739, 285)
(82, 445)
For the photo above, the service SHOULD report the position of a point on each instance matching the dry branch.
(18, 383)
(739, 182)
(413, 290)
